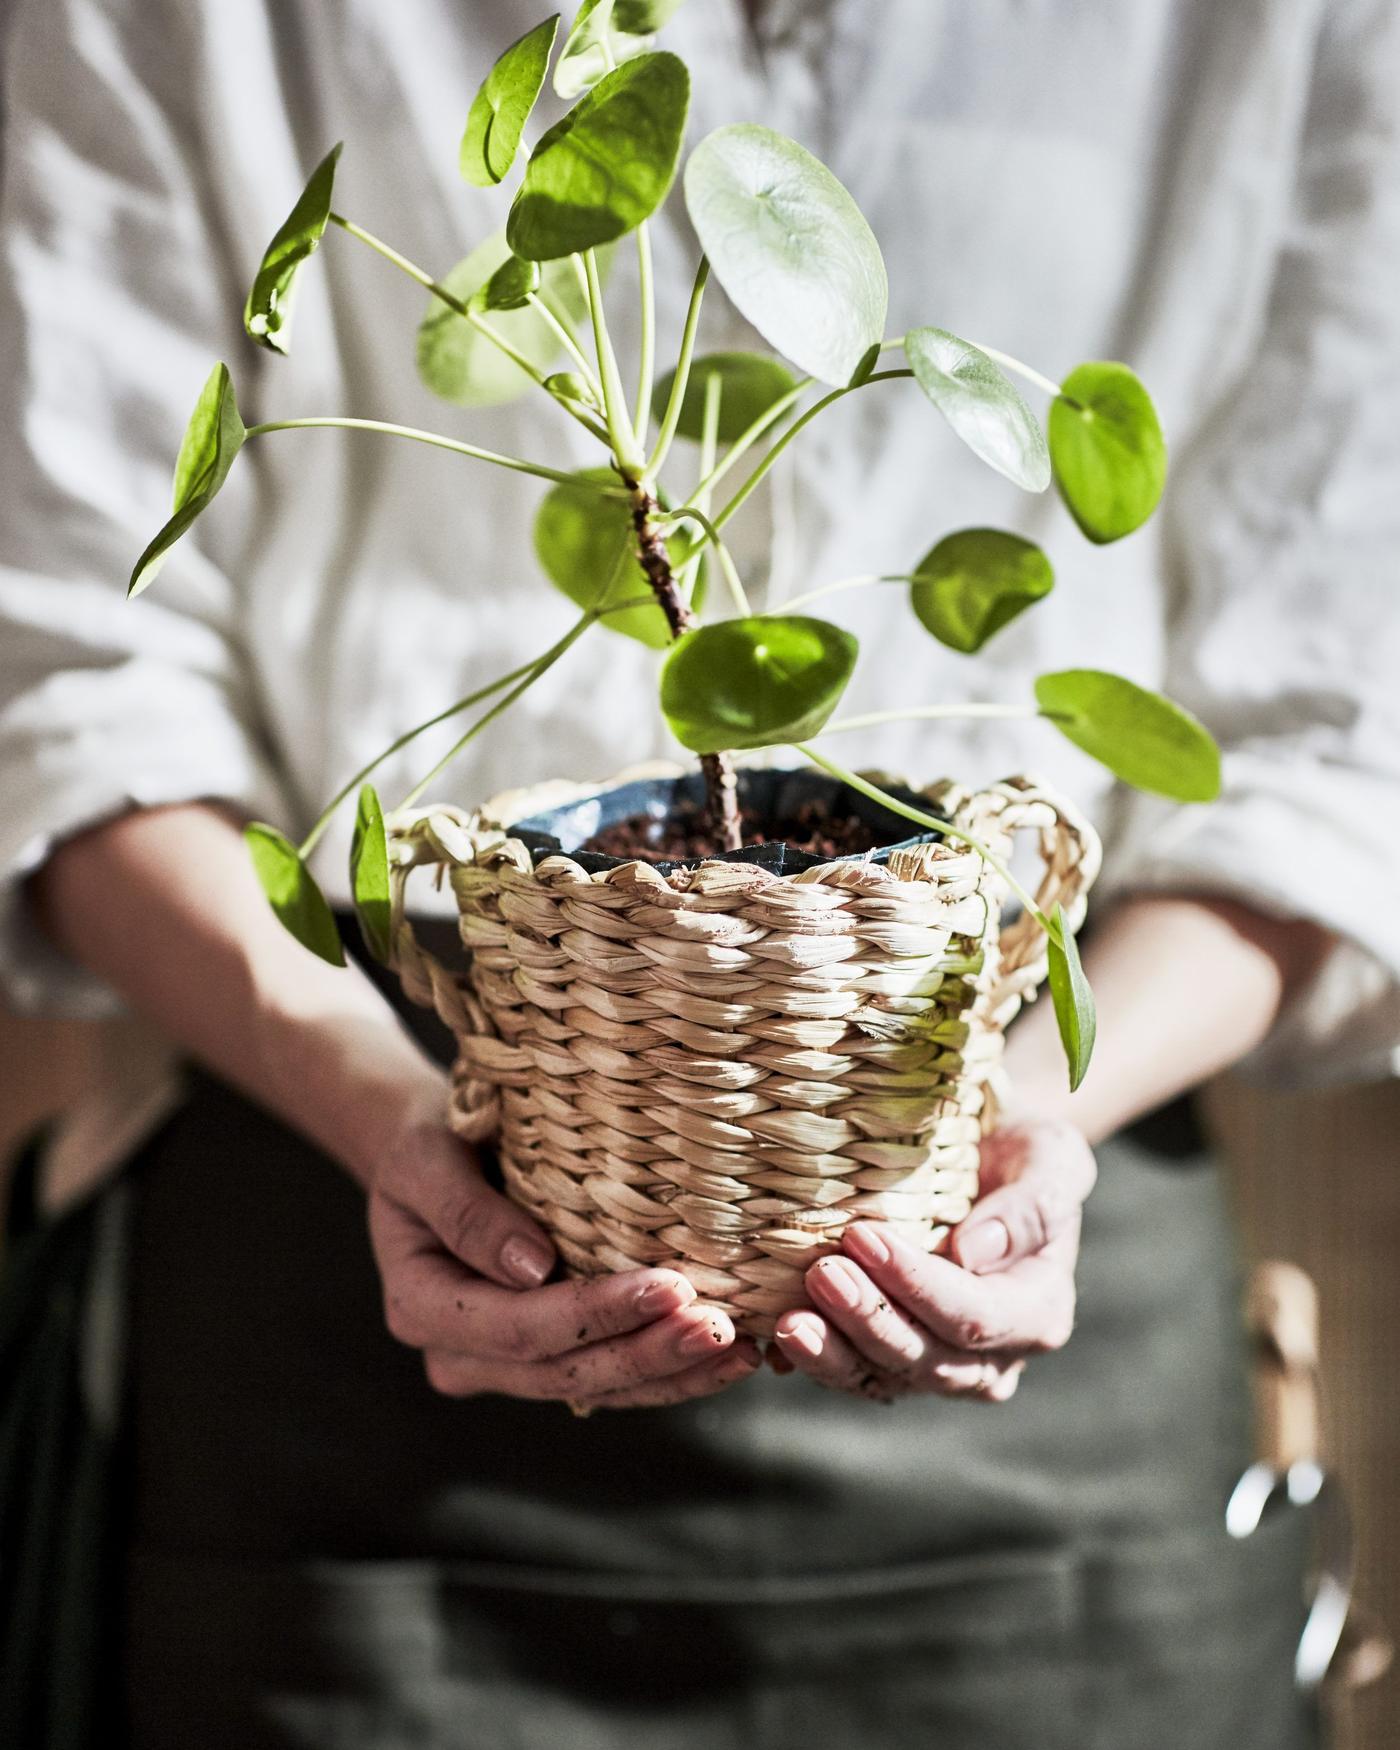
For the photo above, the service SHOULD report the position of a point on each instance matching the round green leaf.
(980, 405)
(790, 247)
(267, 315)
(1142, 738)
(605, 166)
(586, 544)
(292, 893)
(976, 581)
(750, 382)
(501, 108)
(1107, 447)
(212, 439)
(758, 682)
(459, 363)
(1075, 1014)
(511, 287)
(369, 873)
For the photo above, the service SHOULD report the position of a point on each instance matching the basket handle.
(1070, 852)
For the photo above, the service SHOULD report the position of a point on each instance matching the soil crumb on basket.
(685, 833)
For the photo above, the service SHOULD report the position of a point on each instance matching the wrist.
(347, 1076)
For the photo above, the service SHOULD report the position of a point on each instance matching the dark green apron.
(323, 1553)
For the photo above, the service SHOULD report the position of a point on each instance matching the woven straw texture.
(717, 1069)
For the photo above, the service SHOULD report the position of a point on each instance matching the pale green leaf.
(1107, 447)
(750, 382)
(790, 247)
(369, 873)
(605, 166)
(267, 315)
(981, 405)
(502, 107)
(1142, 738)
(212, 439)
(292, 892)
(974, 582)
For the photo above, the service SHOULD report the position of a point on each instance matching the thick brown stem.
(721, 785)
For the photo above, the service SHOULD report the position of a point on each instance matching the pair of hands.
(465, 1274)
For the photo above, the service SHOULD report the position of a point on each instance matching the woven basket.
(716, 1068)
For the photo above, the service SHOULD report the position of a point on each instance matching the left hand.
(888, 1319)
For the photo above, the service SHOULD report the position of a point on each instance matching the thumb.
(1042, 1172)
(438, 1177)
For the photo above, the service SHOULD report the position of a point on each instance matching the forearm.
(163, 905)
(1185, 987)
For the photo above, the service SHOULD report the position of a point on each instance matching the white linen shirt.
(1210, 192)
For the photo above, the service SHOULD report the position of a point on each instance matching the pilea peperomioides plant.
(790, 248)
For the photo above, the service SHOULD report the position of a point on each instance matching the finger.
(432, 1301)
(700, 1381)
(1029, 1307)
(1041, 1173)
(436, 1177)
(815, 1347)
(678, 1342)
(847, 1297)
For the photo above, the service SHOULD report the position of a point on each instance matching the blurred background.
(1282, 1148)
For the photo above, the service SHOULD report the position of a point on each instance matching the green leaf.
(459, 363)
(369, 873)
(1141, 737)
(1108, 451)
(750, 382)
(511, 287)
(790, 247)
(607, 33)
(501, 108)
(1073, 1000)
(980, 405)
(586, 545)
(293, 894)
(267, 315)
(605, 166)
(758, 682)
(212, 439)
(976, 581)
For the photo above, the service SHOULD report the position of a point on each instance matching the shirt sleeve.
(1284, 528)
(115, 299)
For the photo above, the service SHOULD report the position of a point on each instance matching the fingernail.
(703, 1339)
(867, 1244)
(840, 1282)
(526, 1261)
(804, 1333)
(983, 1244)
(664, 1295)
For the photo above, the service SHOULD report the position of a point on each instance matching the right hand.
(464, 1274)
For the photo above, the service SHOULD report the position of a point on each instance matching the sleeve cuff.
(1301, 841)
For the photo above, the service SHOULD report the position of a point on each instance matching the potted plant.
(693, 1049)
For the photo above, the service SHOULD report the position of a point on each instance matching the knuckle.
(514, 1339)
(446, 1377)
(399, 1318)
(1059, 1326)
(976, 1330)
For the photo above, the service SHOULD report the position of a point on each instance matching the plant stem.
(710, 477)
(681, 381)
(646, 289)
(860, 581)
(721, 786)
(624, 443)
(929, 822)
(936, 713)
(455, 304)
(726, 560)
(709, 441)
(1031, 375)
(569, 341)
(313, 838)
(514, 463)
(537, 668)
(723, 516)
